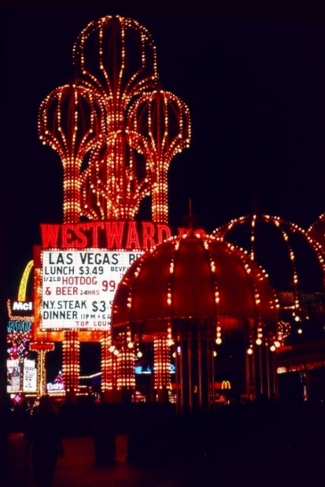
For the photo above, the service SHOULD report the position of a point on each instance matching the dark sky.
(255, 87)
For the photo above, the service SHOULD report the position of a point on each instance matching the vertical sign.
(30, 376)
(13, 375)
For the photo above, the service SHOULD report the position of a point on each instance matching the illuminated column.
(41, 348)
(71, 362)
(161, 367)
(108, 366)
(71, 190)
(71, 213)
(160, 194)
(41, 372)
(106, 357)
(125, 368)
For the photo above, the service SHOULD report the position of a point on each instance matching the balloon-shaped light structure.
(164, 120)
(71, 122)
(116, 56)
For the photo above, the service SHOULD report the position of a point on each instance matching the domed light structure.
(294, 262)
(185, 295)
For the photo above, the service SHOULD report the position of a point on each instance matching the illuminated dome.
(195, 277)
(186, 297)
(294, 262)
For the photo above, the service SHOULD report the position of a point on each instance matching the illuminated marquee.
(82, 265)
(128, 235)
(78, 287)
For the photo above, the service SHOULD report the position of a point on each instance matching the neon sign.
(139, 369)
(22, 306)
(19, 326)
(225, 384)
(128, 235)
(20, 310)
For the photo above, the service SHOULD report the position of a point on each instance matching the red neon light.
(148, 232)
(114, 233)
(133, 239)
(111, 235)
(41, 346)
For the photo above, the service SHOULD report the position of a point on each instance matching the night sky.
(255, 88)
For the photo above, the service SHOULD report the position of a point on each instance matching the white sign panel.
(30, 376)
(78, 287)
(13, 375)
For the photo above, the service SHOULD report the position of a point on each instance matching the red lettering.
(148, 232)
(114, 234)
(81, 241)
(67, 238)
(132, 238)
(94, 227)
(63, 291)
(49, 234)
(163, 232)
(117, 234)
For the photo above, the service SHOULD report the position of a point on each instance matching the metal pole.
(248, 373)
(199, 354)
(260, 363)
(267, 358)
(189, 369)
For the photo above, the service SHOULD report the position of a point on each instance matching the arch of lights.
(116, 132)
(286, 230)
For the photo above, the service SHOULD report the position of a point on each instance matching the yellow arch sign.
(24, 280)
(225, 384)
